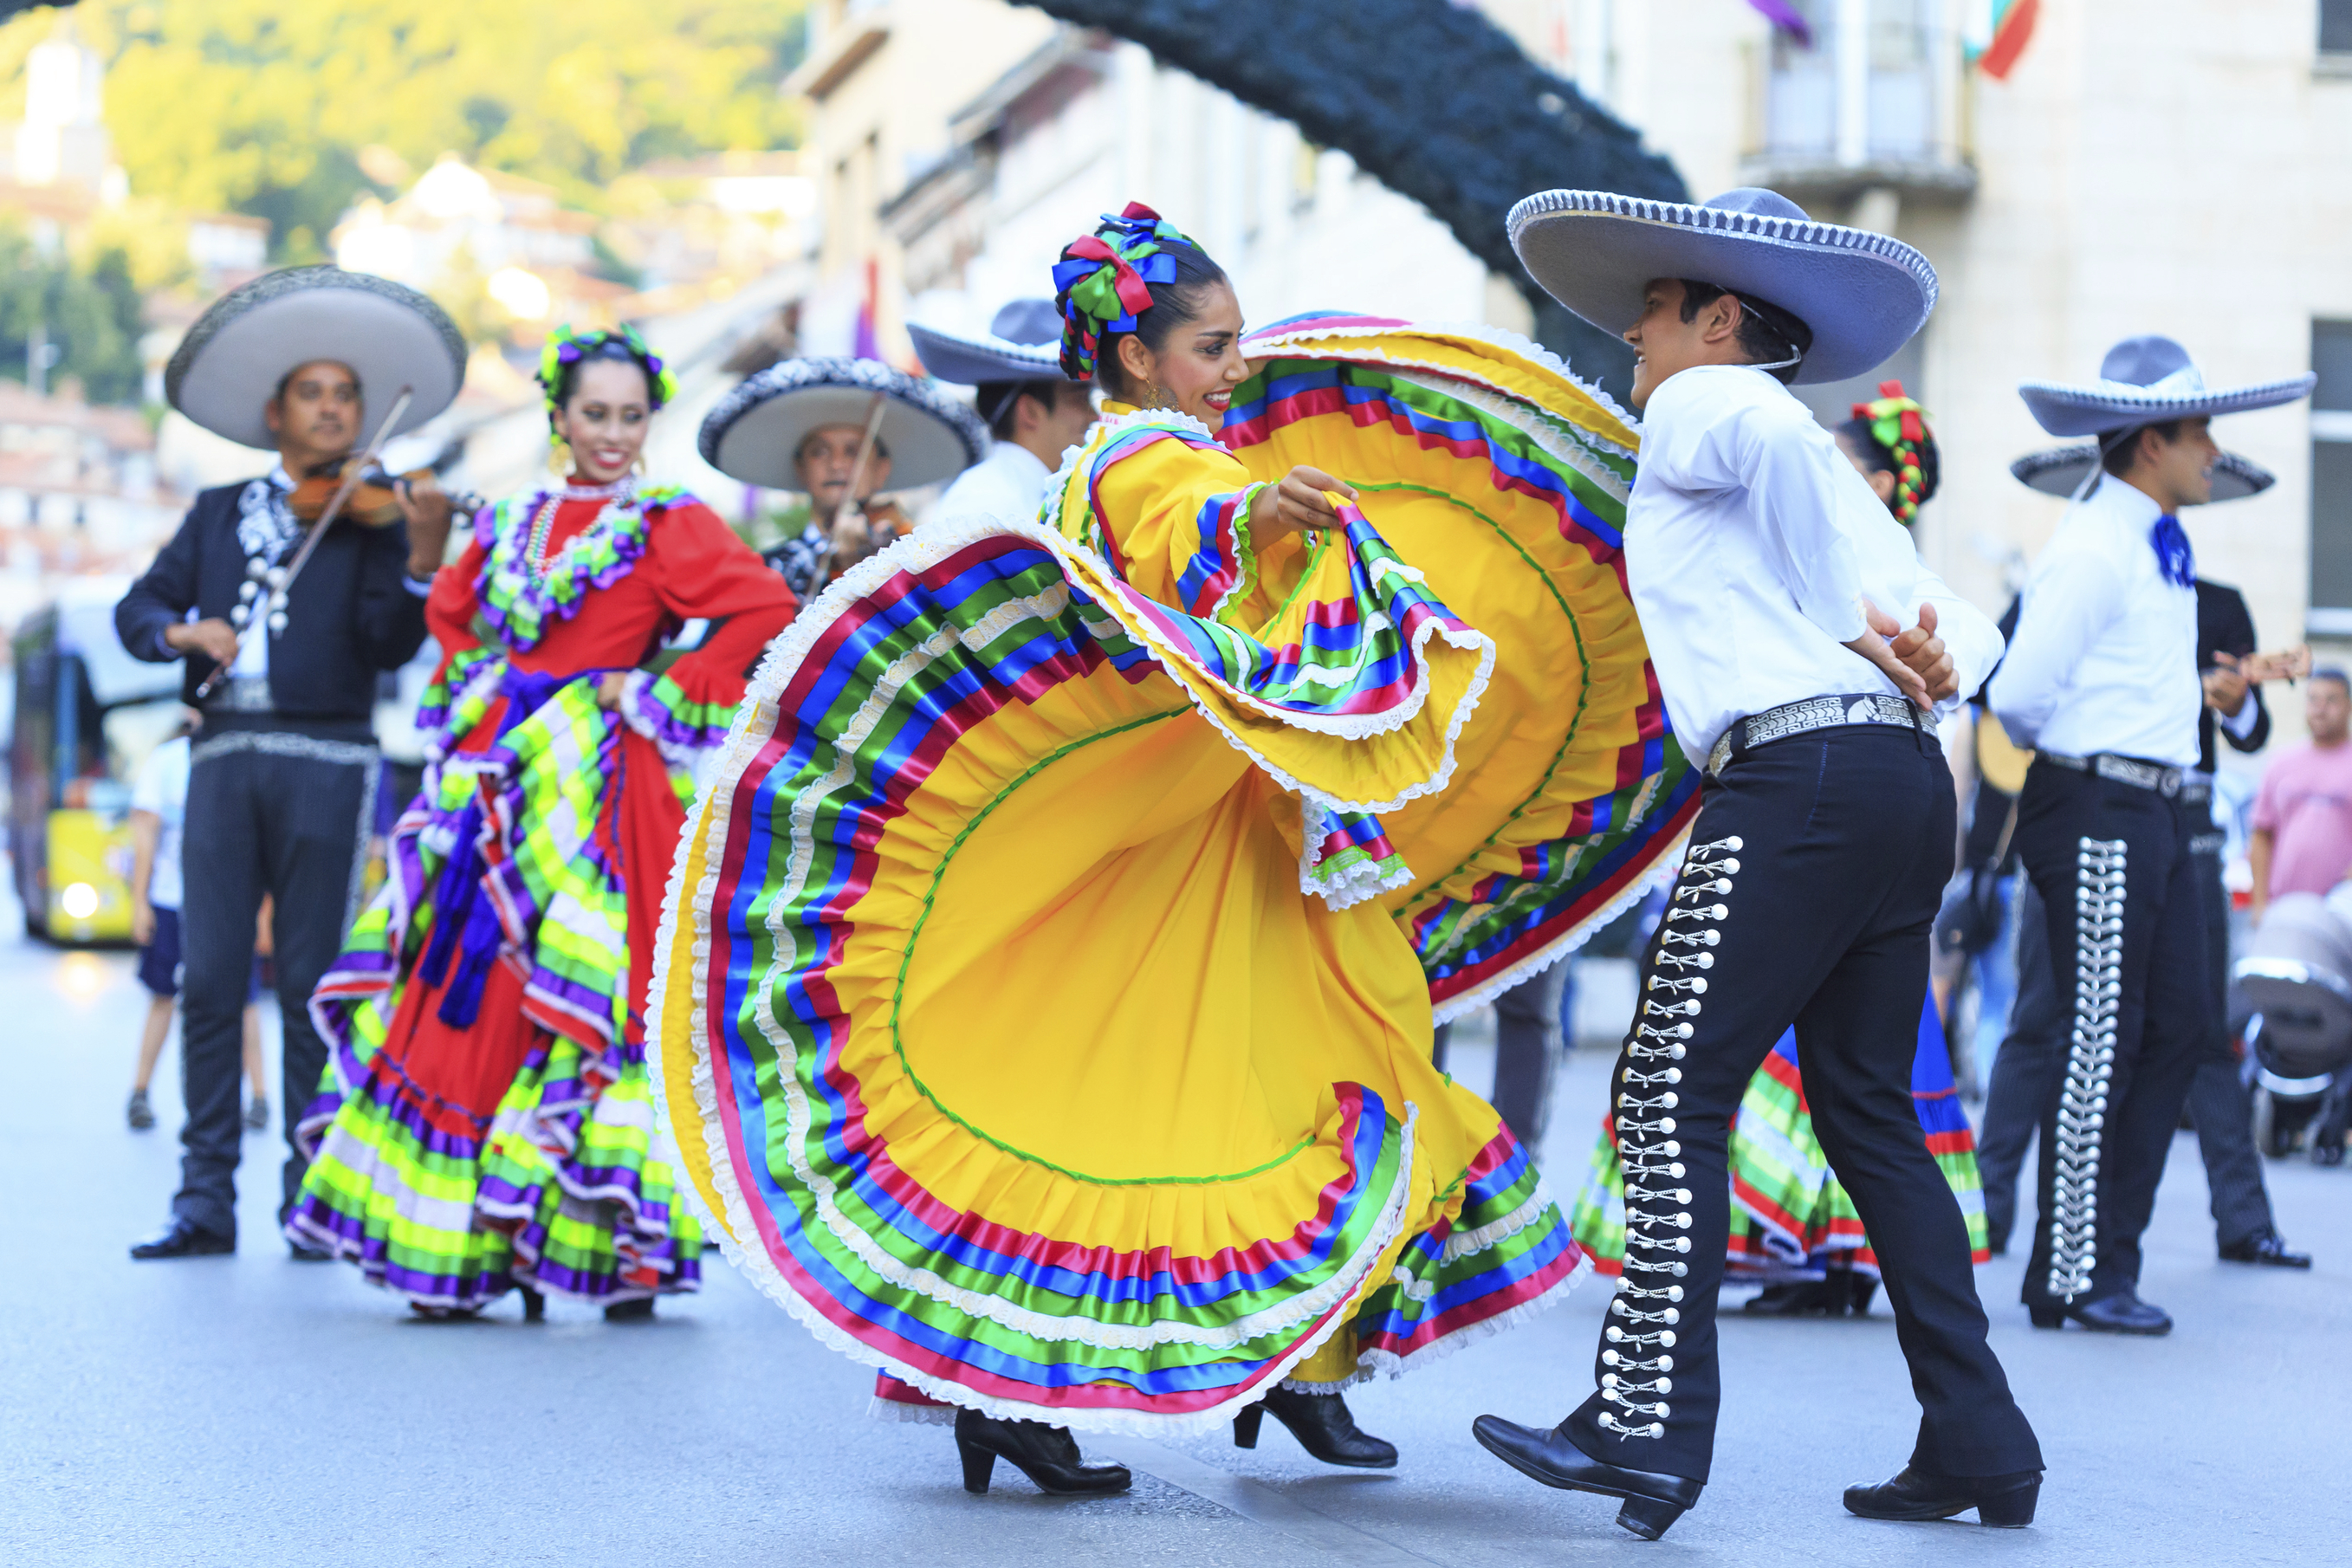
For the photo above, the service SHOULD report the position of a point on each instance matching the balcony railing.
(1873, 101)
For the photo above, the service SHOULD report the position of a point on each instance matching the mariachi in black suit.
(281, 794)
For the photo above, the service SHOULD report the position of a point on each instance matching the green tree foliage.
(260, 106)
(90, 315)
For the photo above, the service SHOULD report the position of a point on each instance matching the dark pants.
(2025, 1072)
(286, 815)
(1816, 867)
(2126, 924)
(2032, 1062)
(1523, 1058)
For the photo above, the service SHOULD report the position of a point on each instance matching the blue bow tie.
(2174, 558)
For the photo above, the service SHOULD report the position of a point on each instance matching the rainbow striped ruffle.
(1401, 413)
(1041, 1013)
(568, 1184)
(1790, 1218)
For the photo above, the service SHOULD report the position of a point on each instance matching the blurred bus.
(86, 714)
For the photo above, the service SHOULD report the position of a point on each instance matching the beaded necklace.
(522, 588)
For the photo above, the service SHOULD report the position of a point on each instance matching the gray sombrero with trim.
(2060, 471)
(755, 431)
(2143, 381)
(390, 335)
(1863, 295)
(1023, 343)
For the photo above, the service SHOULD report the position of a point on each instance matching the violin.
(375, 501)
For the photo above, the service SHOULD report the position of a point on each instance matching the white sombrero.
(390, 335)
(756, 430)
(1863, 295)
(2060, 471)
(1023, 343)
(2144, 380)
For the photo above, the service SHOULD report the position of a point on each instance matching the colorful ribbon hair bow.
(1103, 281)
(1898, 424)
(564, 346)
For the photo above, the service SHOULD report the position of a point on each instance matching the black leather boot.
(2121, 1313)
(1652, 1500)
(2005, 1503)
(1799, 1299)
(1323, 1426)
(2268, 1249)
(1048, 1456)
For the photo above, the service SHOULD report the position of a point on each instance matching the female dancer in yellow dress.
(1048, 970)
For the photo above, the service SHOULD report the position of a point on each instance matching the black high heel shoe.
(534, 1305)
(1323, 1426)
(1048, 1456)
(2004, 1503)
(637, 1309)
(1650, 1500)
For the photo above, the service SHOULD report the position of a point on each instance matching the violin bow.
(351, 472)
(858, 477)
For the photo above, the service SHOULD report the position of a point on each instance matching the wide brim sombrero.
(2060, 471)
(1862, 294)
(2146, 381)
(1023, 343)
(756, 430)
(389, 334)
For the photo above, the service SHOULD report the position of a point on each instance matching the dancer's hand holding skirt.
(1047, 980)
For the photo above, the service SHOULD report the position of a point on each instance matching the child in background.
(158, 802)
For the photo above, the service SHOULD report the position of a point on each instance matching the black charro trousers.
(286, 814)
(1815, 869)
(2125, 919)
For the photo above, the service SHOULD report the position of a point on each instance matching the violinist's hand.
(2225, 683)
(427, 508)
(1296, 504)
(2294, 664)
(215, 639)
(609, 687)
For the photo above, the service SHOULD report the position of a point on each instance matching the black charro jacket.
(348, 616)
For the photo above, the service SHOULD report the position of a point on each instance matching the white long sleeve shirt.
(1751, 545)
(2104, 659)
(1008, 485)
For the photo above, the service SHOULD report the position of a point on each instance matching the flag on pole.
(1785, 17)
(868, 342)
(1997, 32)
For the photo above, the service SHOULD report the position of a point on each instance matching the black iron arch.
(1431, 99)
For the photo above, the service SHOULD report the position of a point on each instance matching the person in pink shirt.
(2301, 839)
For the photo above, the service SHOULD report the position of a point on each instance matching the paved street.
(253, 1412)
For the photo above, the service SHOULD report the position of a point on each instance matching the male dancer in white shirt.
(2102, 681)
(1761, 566)
(1032, 412)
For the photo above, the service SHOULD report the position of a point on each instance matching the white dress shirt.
(1008, 485)
(1751, 544)
(2104, 659)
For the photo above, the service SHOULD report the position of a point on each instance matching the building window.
(1865, 95)
(2331, 478)
(2334, 26)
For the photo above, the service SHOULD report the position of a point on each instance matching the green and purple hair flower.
(565, 348)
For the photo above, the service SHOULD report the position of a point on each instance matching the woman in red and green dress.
(484, 1122)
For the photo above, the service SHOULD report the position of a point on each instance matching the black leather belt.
(1814, 713)
(2173, 783)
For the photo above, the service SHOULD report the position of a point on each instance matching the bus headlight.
(78, 900)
